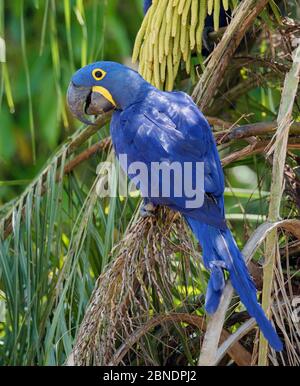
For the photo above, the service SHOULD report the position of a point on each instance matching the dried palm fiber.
(145, 279)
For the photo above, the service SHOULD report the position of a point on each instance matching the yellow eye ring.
(98, 74)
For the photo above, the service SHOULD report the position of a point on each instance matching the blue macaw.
(149, 125)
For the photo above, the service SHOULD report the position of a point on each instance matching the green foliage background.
(46, 42)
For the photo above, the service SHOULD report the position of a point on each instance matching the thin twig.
(87, 154)
(255, 148)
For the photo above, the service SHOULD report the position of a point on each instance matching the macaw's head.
(101, 87)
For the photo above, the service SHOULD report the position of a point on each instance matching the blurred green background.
(46, 41)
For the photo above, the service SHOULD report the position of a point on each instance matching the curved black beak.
(88, 101)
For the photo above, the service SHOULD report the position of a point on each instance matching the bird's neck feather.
(130, 89)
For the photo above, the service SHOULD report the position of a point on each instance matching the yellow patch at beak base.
(107, 95)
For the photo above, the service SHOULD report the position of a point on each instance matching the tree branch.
(253, 130)
(87, 154)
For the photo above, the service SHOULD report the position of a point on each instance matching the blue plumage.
(149, 126)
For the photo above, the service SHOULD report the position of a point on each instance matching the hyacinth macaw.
(149, 125)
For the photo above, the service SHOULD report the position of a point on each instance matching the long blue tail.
(221, 252)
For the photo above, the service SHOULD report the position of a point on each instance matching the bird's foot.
(148, 210)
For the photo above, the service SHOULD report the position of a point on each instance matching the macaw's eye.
(98, 74)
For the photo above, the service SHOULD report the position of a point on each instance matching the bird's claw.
(148, 210)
